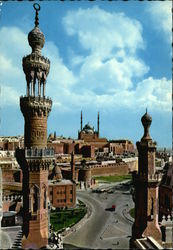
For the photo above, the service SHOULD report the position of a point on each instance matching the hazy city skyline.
(111, 57)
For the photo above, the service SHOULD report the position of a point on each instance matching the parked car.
(113, 207)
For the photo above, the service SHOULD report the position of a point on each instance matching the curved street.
(103, 229)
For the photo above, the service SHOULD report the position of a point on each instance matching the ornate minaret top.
(146, 122)
(146, 148)
(36, 38)
(37, 8)
(35, 66)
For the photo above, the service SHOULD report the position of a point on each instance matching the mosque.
(35, 159)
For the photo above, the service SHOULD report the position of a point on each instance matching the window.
(45, 198)
(51, 192)
(167, 201)
(152, 208)
(71, 191)
(34, 198)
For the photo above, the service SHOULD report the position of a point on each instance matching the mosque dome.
(88, 129)
(146, 119)
(36, 40)
(57, 173)
(146, 122)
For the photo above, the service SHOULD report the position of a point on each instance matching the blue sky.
(112, 57)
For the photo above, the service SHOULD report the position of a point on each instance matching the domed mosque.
(88, 135)
(88, 129)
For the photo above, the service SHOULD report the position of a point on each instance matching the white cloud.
(9, 96)
(162, 17)
(13, 46)
(13, 43)
(154, 93)
(106, 75)
(111, 64)
(101, 31)
(59, 74)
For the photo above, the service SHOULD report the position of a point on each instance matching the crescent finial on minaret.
(37, 9)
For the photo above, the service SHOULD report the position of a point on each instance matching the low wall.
(117, 169)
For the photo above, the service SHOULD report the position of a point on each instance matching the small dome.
(146, 122)
(36, 40)
(57, 173)
(88, 129)
(146, 119)
(57, 170)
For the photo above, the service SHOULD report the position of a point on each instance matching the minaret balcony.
(147, 178)
(35, 61)
(39, 152)
(36, 99)
(35, 105)
(154, 177)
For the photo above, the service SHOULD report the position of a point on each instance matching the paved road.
(103, 229)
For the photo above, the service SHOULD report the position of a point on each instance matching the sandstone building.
(166, 193)
(62, 192)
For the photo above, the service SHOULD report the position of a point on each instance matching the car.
(113, 207)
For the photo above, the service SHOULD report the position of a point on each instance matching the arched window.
(44, 197)
(152, 208)
(34, 194)
(35, 200)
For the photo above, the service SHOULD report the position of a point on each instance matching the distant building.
(89, 143)
(166, 193)
(85, 172)
(121, 146)
(62, 193)
(91, 136)
(10, 143)
(12, 181)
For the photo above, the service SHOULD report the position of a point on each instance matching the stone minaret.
(35, 158)
(146, 182)
(98, 124)
(81, 122)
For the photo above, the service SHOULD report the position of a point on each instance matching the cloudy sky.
(111, 57)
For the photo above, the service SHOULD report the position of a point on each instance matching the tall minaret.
(98, 125)
(35, 158)
(81, 121)
(146, 182)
